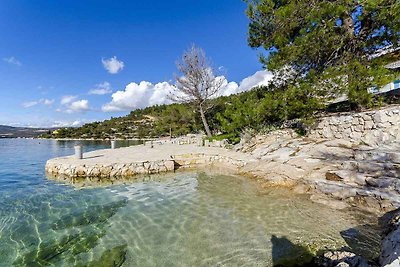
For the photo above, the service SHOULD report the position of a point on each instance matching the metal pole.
(78, 152)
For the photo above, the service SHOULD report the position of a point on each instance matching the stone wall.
(109, 170)
(371, 127)
(71, 171)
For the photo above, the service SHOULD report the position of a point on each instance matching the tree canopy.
(328, 42)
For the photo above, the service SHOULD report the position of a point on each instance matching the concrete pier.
(130, 161)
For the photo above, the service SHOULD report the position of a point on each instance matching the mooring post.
(78, 152)
(200, 141)
(113, 144)
(207, 143)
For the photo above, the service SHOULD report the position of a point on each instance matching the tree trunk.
(204, 120)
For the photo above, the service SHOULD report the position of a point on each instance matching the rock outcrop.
(390, 255)
(341, 259)
(353, 174)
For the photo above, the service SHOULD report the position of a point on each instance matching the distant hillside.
(14, 132)
(156, 121)
(160, 120)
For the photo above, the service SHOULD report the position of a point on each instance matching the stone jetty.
(143, 159)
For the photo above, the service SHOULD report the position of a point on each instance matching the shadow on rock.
(363, 240)
(287, 254)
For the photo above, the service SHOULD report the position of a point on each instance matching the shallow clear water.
(199, 218)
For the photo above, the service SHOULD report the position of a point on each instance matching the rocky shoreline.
(335, 172)
(339, 173)
(347, 161)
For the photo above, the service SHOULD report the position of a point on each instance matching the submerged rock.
(114, 257)
(90, 215)
(53, 251)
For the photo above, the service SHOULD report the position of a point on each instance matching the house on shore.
(392, 88)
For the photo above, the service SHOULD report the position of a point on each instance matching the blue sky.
(53, 53)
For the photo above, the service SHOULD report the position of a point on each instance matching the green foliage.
(155, 121)
(231, 137)
(262, 108)
(327, 43)
(240, 112)
(178, 118)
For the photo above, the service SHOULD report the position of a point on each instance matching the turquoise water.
(198, 218)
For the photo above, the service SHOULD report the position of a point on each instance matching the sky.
(65, 63)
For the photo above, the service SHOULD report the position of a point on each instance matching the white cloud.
(48, 102)
(146, 94)
(101, 89)
(228, 88)
(67, 99)
(30, 104)
(160, 94)
(78, 106)
(44, 101)
(113, 65)
(259, 78)
(139, 95)
(262, 77)
(71, 105)
(12, 61)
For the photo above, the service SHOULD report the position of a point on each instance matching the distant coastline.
(22, 132)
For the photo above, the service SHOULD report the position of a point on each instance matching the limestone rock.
(335, 204)
(383, 182)
(390, 255)
(333, 177)
(342, 258)
(170, 165)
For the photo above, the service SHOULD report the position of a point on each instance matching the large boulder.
(390, 255)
